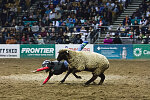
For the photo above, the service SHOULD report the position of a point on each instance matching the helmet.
(46, 63)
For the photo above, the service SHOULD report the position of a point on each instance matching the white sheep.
(84, 61)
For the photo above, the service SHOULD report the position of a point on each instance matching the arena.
(125, 80)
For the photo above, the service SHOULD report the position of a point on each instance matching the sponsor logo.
(37, 50)
(137, 52)
(76, 49)
(8, 50)
(107, 48)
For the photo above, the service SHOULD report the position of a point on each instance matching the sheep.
(84, 61)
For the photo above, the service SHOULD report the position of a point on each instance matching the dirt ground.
(125, 80)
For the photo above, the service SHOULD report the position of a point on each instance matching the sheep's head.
(63, 54)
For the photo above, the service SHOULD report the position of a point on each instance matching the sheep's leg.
(91, 80)
(102, 76)
(69, 71)
(74, 73)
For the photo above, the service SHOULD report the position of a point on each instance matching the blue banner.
(115, 51)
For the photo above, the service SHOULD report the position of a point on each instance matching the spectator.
(143, 21)
(1, 38)
(108, 40)
(148, 12)
(127, 20)
(43, 32)
(84, 33)
(23, 39)
(146, 39)
(59, 39)
(57, 16)
(3, 17)
(120, 27)
(131, 33)
(40, 40)
(32, 40)
(78, 39)
(127, 28)
(11, 40)
(52, 15)
(35, 27)
(117, 39)
(136, 27)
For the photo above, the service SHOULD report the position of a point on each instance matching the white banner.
(74, 47)
(9, 51)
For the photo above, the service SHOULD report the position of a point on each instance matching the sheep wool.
(85, 60)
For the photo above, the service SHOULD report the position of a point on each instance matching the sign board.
(9, 51)
(37, 51)
(114, 51)
(141, 51)
(74, 47)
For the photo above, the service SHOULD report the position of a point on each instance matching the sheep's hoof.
(62, 81)
(86, 83)
(100, 83)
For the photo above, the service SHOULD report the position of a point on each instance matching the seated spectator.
(136, 27)
(117, 39)
(52, 15)
(143, 21)
(148, 12)
(97, 18)
(40, 40)
(121, 30)
(11, 40)
(66, 39)
(23, 39)
(78, 39)
(32, 41)
(1, 38)
(127, 28)
(131, 33)
(43, 32)
(82, 20)
(146, 39)
(108, 40)
(58, 16)
(35, 27)
(59, 39)
(84, 33)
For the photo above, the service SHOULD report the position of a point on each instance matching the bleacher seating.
(55, 15)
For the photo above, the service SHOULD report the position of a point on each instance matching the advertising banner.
(141, 51)
(114, 51)
(9, 51)
(37, 51)
(74, 47)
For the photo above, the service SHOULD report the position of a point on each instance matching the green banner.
(141, 51)
(37, 51)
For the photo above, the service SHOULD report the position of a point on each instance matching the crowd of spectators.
(57, 21)
(138, 25)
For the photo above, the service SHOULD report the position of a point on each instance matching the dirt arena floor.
(125, 80)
